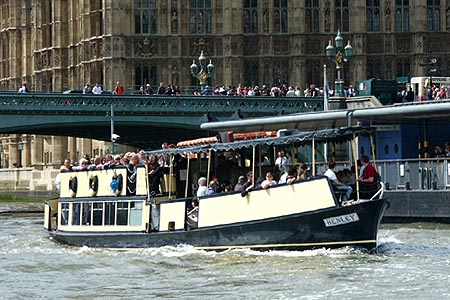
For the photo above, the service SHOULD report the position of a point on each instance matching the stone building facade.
(63, 44)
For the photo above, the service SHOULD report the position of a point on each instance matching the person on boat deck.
(269, 181)
(211, 188)
(192, 215)
(82, 166)
(248, 185)
(155, 173)
(292, 175)
(66, 167)
(369, 178)
(240, 184)
(338, 184)
(281, 160)
(302, 172)
(202, 188)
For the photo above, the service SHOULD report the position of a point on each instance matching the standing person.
(369, 178)
(148, 89)
(97, 89)
(202, 188)
(337, 183)
(161, 89)
(119, 89)
(351, 91)
(24, 89)
(87, 88)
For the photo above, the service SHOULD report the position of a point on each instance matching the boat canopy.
(336, 135)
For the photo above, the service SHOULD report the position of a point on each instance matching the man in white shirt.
(337, 183)
(97, 89)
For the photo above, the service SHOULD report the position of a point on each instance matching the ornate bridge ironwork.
(140, 120)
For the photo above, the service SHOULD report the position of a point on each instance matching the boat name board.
(340, 220)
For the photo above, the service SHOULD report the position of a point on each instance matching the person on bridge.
(24, 88)
(119, 89)
(97, 89)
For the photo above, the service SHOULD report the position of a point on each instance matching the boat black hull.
(354, 225)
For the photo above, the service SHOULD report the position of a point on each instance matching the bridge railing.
(157, 104)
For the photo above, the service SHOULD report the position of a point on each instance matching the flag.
(326, 90)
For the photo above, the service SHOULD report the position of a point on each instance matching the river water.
(413, 263)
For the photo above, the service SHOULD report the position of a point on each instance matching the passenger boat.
(116, 208)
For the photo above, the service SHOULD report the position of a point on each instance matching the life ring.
(116, 184)
(93, 185)
(73, 186)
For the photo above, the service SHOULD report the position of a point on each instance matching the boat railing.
(412, 174)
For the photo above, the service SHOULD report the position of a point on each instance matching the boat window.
(98, 214)
(64, 213)
(76, 212)
(110, 213)
(122, 213)
(86, 217)
(136, 213)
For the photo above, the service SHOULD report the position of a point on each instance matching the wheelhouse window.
(342, 20)
(64, 213)
(97, 214)
(122, 213)
(373, 16)
(434, 15)
(200, 16)
(110, 213)
(76, 213)
(250, 15)
(280, 16)
(402, 16)
(145, 17)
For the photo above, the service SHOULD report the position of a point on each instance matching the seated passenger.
(338, 185)
(66, 167)
(248, 185)
(302, 172)
(82, 166)
(240, 184)
(269, 181)
(192, 215)
(291, 175)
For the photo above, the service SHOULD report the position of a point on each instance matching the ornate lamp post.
(339, 55)
(20, 148)
(204, 72)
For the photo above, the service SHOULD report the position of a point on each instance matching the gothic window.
(281, 72)
(374, 69)
(373, 17)
(251, 72)
(144, 74)
(342, 20)
(145, 17)
(403, 68)
(312, 15)
(280, 16)
(250, 15)
(46, 19)
(433, 15)
(313, 72)
(200, 16)
(96, 16)
(402, 16)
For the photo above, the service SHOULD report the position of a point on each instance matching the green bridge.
(140, 120)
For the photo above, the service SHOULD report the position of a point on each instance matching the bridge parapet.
(143, 104)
